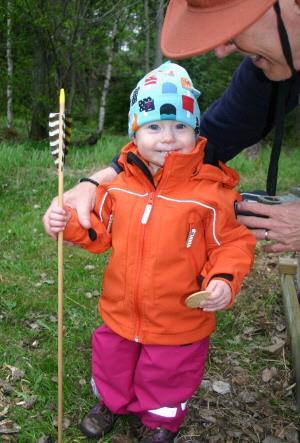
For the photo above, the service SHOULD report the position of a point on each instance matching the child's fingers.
(221, 304)
(213, 304)
(57, 223)
(58, 211)
(214, 298)
(57, 229)
(218, 302)
(58, 219)
(219, 298)
(59, 214)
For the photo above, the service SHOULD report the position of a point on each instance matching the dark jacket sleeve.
(244, 114)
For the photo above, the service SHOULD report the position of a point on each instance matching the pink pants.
(151, 381)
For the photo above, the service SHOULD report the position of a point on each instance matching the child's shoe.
(97, 422)
(157, 435)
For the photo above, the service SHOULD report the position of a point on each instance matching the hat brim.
(189, 31)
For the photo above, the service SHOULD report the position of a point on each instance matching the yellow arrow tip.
(62, 96)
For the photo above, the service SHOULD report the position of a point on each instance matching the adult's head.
(251, 27)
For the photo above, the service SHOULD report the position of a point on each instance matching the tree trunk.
(9, 67)
(298, 120)
(72, 89)
(39, 116)
(147, 36)
(159, 21)
(111, 52)
(253, 151)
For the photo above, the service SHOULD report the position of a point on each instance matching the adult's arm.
(241, 117)
(82, 198)
(245, 113)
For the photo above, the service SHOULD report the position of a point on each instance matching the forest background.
(96, 50)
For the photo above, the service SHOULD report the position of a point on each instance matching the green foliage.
(253, 173)
(65, 44)
(211, 75)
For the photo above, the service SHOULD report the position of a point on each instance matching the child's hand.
(220, 296)
(58, 218)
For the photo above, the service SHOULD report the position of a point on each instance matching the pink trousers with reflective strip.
(152, 381)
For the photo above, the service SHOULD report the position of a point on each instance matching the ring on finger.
(267, 238)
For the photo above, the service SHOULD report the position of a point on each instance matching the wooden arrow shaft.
(60, 311)
(60, 274)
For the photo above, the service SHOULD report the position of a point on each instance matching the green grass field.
(28, 297)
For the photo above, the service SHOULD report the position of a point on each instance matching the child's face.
(156, 140)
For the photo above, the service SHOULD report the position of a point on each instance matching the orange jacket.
(164, 241)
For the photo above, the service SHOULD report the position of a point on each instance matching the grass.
(253, 173)
(28, 287)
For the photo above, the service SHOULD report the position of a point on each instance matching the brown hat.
(195, 26)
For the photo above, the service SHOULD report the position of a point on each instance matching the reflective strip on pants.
(167, 412)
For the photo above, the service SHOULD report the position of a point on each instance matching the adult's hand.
(282, 224)
(81, 198)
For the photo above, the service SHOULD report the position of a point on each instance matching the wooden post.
(298, 274)
(288, 271)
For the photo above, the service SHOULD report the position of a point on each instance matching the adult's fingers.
(262, 234)
(279, 247)
(257, 208)
(84, 209)
(253, 222)
(82, 198)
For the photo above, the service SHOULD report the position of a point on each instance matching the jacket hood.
(222, 174)
(181, 166)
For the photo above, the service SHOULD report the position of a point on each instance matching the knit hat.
(166, 93)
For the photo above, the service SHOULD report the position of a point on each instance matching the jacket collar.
(179, 167)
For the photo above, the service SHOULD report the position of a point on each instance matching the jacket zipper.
(189, 241)
(144, 221)
(109, 224)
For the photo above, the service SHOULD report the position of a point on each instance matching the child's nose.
(168, 135)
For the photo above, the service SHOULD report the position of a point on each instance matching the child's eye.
(180, 126)
(153, 127)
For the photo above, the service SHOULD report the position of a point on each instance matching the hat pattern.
(166, 93)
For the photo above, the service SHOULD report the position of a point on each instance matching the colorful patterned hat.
(166, 93)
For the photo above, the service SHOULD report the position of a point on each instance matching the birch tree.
(147, 36)
(159, 21)
(111, 51)
(9, 59)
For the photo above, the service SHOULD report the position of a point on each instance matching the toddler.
(170, 222)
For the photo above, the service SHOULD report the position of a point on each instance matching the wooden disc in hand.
(194, 300)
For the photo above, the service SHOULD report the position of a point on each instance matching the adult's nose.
(225, 49)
